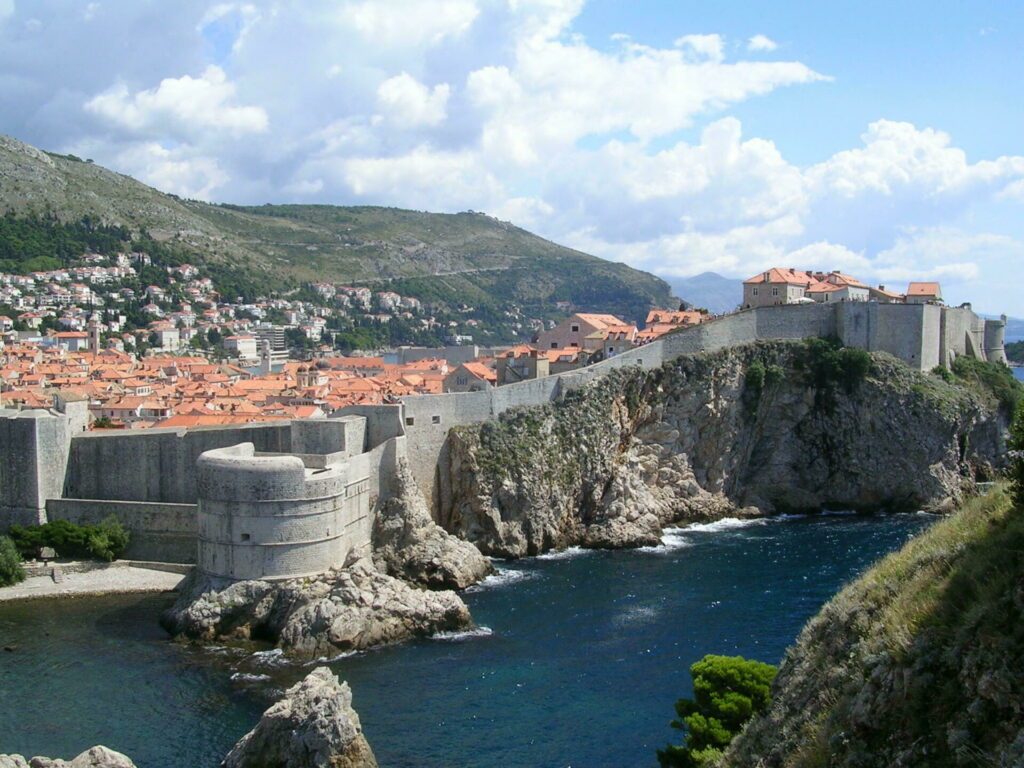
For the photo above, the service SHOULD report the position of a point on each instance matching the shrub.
(103, 541)
(1017, 446)
(944, 373)
(11, 571)
(727, 692)
(997, 378)
(755, 377)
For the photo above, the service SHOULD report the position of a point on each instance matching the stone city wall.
(163, 533)
(33, 462)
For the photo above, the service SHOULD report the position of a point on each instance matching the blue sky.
(884, 139)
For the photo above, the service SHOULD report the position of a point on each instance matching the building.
(243, 346)
(924, 293)
(577, 329)
(521, 363)
(777, 286)
(470, 377)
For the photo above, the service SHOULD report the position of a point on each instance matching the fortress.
(286, 499)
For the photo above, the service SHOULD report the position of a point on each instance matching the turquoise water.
(1019, 373)
(583, 659)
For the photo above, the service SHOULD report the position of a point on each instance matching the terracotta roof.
(782, 276)
(924, 289)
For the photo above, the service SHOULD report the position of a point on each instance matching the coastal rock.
(313, 726)
(346, 609)
(612, 463)
(409, 545)
(97, 757)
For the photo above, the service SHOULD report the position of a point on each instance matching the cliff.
(758, 429)
(918, 662)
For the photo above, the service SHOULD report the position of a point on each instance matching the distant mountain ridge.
(710, 291)
(466, 258)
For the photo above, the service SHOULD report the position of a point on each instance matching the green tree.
(11, 571)
(727, 692)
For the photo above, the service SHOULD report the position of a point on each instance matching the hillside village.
(202, 361)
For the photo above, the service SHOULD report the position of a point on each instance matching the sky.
(882, 139)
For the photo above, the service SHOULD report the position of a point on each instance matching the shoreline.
(118, 578)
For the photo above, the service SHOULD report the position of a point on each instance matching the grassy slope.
(918, 662)
(461, 255)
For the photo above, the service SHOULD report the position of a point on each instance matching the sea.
(1019, 373)
(576, 661)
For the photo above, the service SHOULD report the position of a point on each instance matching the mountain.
(466, 257)
(710, 291)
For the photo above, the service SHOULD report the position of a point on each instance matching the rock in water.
(313, 726)
(351, 608)
(409, 545)
(97, 757)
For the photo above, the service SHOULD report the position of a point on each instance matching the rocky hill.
(465, 257)
(918, 662)
(764, 428)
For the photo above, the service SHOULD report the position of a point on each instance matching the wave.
(332, 659)
(725, 524)
(458, 637)
(671, 540)
(503, 577)
(246, 677)
(564, 554)
(273, 658)
(839, 513)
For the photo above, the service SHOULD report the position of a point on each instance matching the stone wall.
(156, 464)
(163, 533)
(270, 517)
(33, 463)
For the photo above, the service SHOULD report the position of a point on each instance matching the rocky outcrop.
(920, 662)
(313, 726)
(351, 608)
(97, 757)
(702, 437)
(409, 545)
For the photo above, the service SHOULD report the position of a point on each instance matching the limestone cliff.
(757, 429)
(919, 662)
(313, 726)
(351, 608)
(409, 545)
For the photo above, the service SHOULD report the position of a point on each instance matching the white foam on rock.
(458, 637)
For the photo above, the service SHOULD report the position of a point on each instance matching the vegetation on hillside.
(105, 540)
(1015, 352)
(994, 379)
(918, 662)
(727, 692)
(465, 258)
(37, 244)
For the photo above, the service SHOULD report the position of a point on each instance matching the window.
(461, 381)
(409, 421)
(775, 291)
(554, 345)
(755, 290)
(574, 344)
(245, 537)
(435, 419)
(574, 328)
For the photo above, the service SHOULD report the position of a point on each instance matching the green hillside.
(458, 258)
(917, 663)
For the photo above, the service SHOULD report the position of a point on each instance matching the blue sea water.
(578, 661)
(1019, 373)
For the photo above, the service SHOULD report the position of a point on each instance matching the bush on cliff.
(994, 378)
(727, 692)
(829, 365)
(1017, 446)
(104, 541)
(11, 571)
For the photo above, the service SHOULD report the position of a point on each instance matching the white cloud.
(408, 102)
(6, 9)
(702, 47)
(761, 43)
(409, 22)
(185, 105)
(180, 171)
